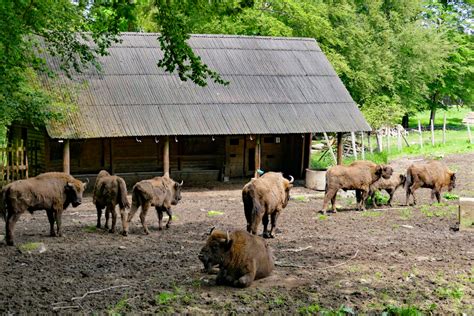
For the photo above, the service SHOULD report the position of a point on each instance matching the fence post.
(399, 140)
(421, 135)
(432, 133)
(330, 147)
(369, 134)
(388, 142)
(362, 145)
(444, 128)
(469, 132)
(354, 148)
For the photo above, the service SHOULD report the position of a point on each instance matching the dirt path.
(365, 261)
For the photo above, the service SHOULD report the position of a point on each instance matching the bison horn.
(182, 181)
(212, 230)
(292, 179)
(87, 181)
(227, 236)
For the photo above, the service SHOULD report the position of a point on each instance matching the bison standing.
(242, 257)
(390, 185)
(52, 191)
(357, 176)
(263, 197)
(108, 192)
(160, 192)
(433, 175)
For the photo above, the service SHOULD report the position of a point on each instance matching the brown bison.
(52, 191)
(389, 185)
(433, 175)
(108, 192)
(263, 197)
(242, 257)
(357, 176)
(160, 192)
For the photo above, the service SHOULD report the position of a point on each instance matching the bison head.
(452, 182)
(74, 191)
(176, 193)
(288, 185)
(218, 243)
(384, 171)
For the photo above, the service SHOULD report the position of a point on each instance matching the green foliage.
(215, 213)
(30, 246)
(90, 229)
(402, 311)
(450, 196)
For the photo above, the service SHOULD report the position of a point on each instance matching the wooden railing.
(13, 163)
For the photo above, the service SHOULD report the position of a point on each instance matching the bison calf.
(357, 176)
(52, 191)
(389, 185)
(263, 197)
(433, 175)
(242, 257)
(108, 192)
(160, 192)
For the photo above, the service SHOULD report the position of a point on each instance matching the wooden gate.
(13, 163)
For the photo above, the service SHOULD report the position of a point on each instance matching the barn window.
(270, 156)
(234, 141)
(269, 140)
(55, 150)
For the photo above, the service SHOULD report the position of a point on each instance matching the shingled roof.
(277, 86)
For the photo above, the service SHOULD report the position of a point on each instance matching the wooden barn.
(137, 121)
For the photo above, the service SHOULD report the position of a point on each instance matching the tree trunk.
(405, 120)
(433, 114)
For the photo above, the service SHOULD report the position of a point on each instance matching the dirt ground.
(362, 261)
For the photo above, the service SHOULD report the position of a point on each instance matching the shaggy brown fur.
(434, 175)
(357, 176)
(263, 197)
(108, 192)
(242, 257)
(160, 192)
(390, 185)
(52, 191)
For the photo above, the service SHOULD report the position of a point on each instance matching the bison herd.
(241, 256)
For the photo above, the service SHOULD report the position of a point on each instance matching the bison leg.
(57, 217)
(329, 196)
(99, 215)
(249, 277)
(364, 195)
(274, 218)
(143, 213)
(12, 218)
(170, 217)
(159, 212)
(438, 195)
(111, 210)
(265, 226)
(123, 216)
(391, 193)
(107, 216)
(51, 220)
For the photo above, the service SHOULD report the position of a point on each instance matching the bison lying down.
(108, 192)
(160, 192)
(263, 197)
(433, 175)
(390, 185)
(242, 257)
(357, 176)
(52, 191)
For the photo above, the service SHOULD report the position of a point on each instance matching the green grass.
(371, 214)
(215, 213)
(119, 308)
(451, 196)
(30, 246)
(454, 117)
(300, 198)
(322, 217)
(402, 311)
(90, 229)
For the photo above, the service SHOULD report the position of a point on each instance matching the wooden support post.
(379, 142)
(257, 156)
(339, 148)
(420, 133)
(444, 128)
(66, 157)
(399, 141)
(310, 143)
(330, 147)
(166, 156)
(362, 145)
(111, 156)
(432, 133)
(354, 148)
(469, 133)
(369, 141)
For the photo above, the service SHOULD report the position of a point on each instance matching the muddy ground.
(362, 261)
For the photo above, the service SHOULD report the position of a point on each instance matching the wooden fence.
(13, 163)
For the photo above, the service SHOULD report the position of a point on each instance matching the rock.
(122, 247)
(407, 226)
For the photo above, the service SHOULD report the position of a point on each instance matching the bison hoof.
(160, 228)
(111, 230)
(124, 233)
(167, 225)
(10, 243)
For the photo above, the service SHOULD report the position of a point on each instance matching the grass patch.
(371, 214)
(322, 217)
(119, 308)
(405, 214)
(402, 311)
(90, 229)
(439, 210)
(451, 196)
(454, 292)
(215, 213)
(314, 309)
(300, 198)
(30, 246)
(165, 298)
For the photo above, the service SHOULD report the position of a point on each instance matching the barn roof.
(277, 86)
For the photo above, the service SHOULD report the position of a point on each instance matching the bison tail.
(3, 206)
(252, 207)
(408, 180)
(122, 189)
